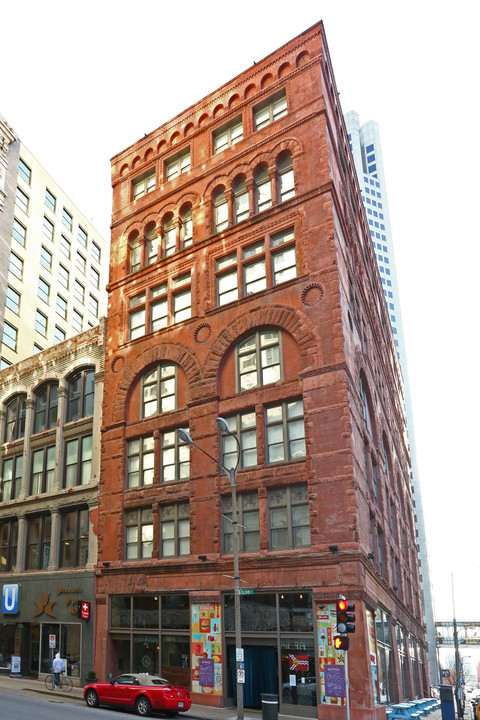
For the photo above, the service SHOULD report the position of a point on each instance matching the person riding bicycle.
(57, 669)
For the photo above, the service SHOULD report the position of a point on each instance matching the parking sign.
(10, 599)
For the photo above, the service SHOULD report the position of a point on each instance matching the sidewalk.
(196, 712)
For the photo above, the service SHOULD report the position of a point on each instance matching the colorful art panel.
(207, 661)
(331, 662)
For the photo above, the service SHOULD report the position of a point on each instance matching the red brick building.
(243, 284)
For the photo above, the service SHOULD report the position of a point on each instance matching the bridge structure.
(468, 632)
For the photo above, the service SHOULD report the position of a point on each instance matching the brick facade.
(306, 286)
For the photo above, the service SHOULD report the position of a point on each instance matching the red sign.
(84, 610)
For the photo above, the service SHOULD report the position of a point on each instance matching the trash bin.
(269, 706)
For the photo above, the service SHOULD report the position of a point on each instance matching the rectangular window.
(41, 323)
(8, 545)
(74, 538)
(175, 530)
(138, 534)
(24, 171)
(12, 300)
(81, 263)
(94, 277)
(46, 258)
(19, 232)
(12, 479)
(50, 200)
(16, 265)
(39, 530)
(244, 427)
(140, 462)
(21, 200)
(264, 264)
(61, 307)
(285, 431)
(59, 335)
(248, 523)
(63, 276)
(78, 461)
(178, 164)
(65, 246)
(77, 320)
(96, 252)
(67, 219)
(93, 304)
(10, 335)
(136, 324)
(43, 291)
(270, 110)
(43, 470)
(143, 185)
(182, 306)
(175, 458)
(82, 236)
(79, 292)
(289, 518)
(48, 228)
(227, 135)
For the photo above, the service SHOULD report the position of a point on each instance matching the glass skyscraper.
(367, 153)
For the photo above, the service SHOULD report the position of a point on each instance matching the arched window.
(187, 227)
(220, 210)
(259, 360)
(46, 408)
(241, 201)
(263, 190)
(159, 390)
(152, 245)
(365, 405)
(169, 240)
(81, 391)
(135, 253)
(286, 182)
(15, 418)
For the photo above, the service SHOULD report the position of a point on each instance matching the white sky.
(81, 81)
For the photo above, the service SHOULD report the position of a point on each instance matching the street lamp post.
(184, 435)
(458, 699)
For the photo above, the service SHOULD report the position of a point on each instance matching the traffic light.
(341, 642)
(345, 617)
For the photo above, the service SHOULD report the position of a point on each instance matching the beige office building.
(53, 263)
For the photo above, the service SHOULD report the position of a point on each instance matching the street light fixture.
(185, 436)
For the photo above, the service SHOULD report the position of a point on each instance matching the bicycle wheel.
(49, 682)
(66, 683)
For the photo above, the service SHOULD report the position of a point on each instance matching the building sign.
(331, 662)
(11, 599)
(83, 610)
(207, 670)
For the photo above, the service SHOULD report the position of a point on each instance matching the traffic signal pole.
(347, 687)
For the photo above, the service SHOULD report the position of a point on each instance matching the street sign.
(52, 641)
(246, 591)
(239, 655)
(241, 676)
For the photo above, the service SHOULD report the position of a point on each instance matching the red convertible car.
(140, 691)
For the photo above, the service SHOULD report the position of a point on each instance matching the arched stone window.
(187, 226)
(15, 418)
(152, 244)
(159, 389)
(286, 181)
(263, 190)
(46, 408)
(241, 201)
(220, 211)
(135, 252)
(81, 390)
(169, 239)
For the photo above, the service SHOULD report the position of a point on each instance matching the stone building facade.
(50, 419)
(243, 285)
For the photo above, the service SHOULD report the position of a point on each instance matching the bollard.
(269, 706)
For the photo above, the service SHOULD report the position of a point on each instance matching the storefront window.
(413, 660)
(299, 680)
(68, 643)
(258, 612)
(385, 657)
(176, 659)
(7, 645)
(402, 657)
(175, 612)
(145, 654)
(296, 614)
(120, 611)
(145, 611)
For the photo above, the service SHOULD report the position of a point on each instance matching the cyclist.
(57, 669)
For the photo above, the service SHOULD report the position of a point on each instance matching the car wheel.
(91, 698)
(143, 706)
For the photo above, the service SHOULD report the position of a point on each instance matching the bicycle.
(64, 683)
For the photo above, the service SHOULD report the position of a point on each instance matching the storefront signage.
(45, 605)
(206, 672)
(16, 664)
(11, 599)
(335, 680)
